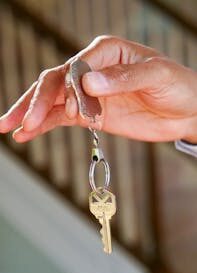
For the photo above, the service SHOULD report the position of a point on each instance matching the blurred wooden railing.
(35, 35)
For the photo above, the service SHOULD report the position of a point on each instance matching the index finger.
(106, 51)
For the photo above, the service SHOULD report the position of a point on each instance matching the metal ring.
(92, 171)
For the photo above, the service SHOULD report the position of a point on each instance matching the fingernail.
(4, 127)
(71, 107)
(14, 133)
(95, 81)
(17, 135)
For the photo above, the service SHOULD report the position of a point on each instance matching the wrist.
(190, 140)
(191, 136)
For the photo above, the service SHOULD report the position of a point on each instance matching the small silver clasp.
(97, 158)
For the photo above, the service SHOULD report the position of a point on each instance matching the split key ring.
(97, 158)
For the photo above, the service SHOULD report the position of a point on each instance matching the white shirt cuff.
(187, 148)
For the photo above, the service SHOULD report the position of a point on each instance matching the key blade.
(106, 235)
(102, 236)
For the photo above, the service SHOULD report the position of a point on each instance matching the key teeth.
(101, 232)
(107, 251)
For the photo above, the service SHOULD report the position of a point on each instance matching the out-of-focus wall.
(186, 8)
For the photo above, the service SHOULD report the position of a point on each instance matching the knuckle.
(43, 74)
(119, 74)
(122, 74)
(47, 73)
(125, 76)
(163, 66)
(104, 39)
(165, 70)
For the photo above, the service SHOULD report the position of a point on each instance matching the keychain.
(102, 203)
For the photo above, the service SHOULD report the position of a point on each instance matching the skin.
(144, 96)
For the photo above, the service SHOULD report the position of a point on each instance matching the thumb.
(118, 79)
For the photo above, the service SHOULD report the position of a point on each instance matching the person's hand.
(144, 95)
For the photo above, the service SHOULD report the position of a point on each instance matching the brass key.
(102, 204)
